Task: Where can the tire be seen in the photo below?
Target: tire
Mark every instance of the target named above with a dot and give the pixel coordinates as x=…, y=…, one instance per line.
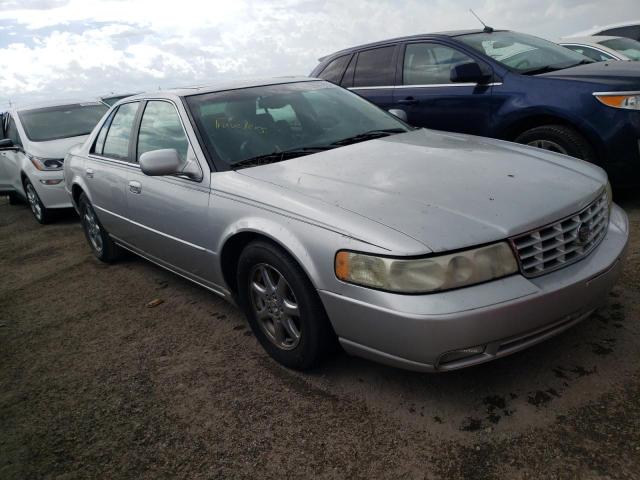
x=41, y=213
x=14, y=199
x=101, y=244
x=271, y=313
x=560, y=139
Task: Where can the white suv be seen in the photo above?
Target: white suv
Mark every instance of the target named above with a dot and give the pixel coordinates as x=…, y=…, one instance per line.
x=34, y=141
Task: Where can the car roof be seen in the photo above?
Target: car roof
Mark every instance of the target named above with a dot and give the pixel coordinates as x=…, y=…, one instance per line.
x=446, y=34
x=218, y=87
x=54, y=103
x=597, y=29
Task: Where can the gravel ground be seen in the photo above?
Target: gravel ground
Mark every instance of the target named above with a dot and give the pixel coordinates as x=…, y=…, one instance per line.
x=95, y=384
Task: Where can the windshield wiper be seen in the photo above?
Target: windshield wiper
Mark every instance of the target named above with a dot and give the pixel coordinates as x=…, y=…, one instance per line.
x=274, y=157
x=551, y=68
x=370, y=135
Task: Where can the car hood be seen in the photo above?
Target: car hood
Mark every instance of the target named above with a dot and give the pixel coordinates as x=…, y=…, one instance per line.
x=54, y=148
x=613, y=74
x=444, y=190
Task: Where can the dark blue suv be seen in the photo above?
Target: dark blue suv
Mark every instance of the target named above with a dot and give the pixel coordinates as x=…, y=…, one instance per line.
x=504, y=85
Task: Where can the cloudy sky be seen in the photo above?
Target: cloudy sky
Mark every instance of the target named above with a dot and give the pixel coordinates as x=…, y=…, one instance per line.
x=71, y=48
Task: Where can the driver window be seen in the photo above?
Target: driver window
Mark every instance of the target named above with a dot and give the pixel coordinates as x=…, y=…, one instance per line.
x=430, y=64
x=161, y=128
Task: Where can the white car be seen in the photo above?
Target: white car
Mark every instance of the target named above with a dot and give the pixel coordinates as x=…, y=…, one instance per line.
x=34, y=141
x=604, y=48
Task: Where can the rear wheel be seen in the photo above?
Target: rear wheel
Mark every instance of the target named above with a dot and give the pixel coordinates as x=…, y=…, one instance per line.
x=559, y=139
x=41, y=213
x=102, y=246
x=283, y=307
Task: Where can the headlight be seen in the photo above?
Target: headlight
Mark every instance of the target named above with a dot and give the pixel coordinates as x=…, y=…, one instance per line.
x=630, y=101
x=425, y=275
x=46, y=163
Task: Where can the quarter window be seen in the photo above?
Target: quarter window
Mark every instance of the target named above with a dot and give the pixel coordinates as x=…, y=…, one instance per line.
x=161, y=129
x=116, y=143
x=375, y=68
x=430, y=64
x=334, y=71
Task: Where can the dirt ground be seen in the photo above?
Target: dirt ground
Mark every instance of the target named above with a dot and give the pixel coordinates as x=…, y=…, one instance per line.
x=94, y=384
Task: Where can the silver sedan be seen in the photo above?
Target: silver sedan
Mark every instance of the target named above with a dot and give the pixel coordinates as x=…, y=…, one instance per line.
x=328, y=220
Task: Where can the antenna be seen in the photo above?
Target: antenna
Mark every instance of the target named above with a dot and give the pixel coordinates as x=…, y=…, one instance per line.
x=487, y=28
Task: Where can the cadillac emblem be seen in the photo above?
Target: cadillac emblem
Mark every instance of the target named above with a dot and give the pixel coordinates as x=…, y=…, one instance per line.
x=584, y=234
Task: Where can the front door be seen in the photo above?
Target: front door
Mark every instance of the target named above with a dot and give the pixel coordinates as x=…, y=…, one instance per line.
x=429, y=97
x=168, y=213
x=10, y=160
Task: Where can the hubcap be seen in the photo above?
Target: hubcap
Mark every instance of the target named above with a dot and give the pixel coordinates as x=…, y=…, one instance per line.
x=93, y=229
x=548, y=145
x=34, y=201
x=275, y=306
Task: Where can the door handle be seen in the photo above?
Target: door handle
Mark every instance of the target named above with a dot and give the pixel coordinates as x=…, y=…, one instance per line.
x=89, y=172
x=135, y=187
x=408, y=101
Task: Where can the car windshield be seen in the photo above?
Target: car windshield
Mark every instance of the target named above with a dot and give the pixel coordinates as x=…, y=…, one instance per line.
x=62, y=121
x=524, y=53
x=628, y=47
x=277, y=122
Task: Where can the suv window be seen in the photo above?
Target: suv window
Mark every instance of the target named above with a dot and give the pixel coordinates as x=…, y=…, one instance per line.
x=334, y=71
x=375, y=67
x=116, y=143
x=430, y=63
x=161, y=128
x=591, y=53
x=12, y=132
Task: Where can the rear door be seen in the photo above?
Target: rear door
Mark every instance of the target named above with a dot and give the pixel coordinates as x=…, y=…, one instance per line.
x=169, y=213
x=429, y=97
x=371, y=74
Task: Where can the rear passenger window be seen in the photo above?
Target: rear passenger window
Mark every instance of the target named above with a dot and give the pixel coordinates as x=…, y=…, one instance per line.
x=430, y=64
x=99, y=145
x=375, y=68
x=161, y=128
x=334, y=71
x=116, y=144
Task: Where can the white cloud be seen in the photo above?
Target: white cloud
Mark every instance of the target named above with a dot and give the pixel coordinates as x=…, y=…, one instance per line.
x=91, y=46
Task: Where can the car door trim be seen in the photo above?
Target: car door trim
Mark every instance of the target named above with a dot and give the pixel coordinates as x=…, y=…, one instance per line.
x=434, y=85
x=153, y=230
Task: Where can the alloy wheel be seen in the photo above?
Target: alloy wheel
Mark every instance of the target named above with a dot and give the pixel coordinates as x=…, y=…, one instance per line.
x=275, y=306
x=34, y=201
x=93, y=229
x=548, y=145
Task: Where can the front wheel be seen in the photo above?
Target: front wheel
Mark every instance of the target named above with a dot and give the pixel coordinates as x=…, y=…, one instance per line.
x=558, y=139
x=102, y=246
x=41, y=213
x=282, y=306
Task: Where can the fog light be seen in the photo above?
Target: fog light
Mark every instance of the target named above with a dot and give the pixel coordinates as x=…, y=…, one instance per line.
x=460, y=354
x=51, y=182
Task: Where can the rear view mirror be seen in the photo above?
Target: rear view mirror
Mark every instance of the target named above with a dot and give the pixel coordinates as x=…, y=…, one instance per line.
x=469, y=72
x=401, y=114
x=161, y=162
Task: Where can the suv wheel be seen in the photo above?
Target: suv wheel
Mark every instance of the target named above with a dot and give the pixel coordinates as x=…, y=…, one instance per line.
x=102, y=246
x=283, y=307
x=559, y=139
x=43, y=214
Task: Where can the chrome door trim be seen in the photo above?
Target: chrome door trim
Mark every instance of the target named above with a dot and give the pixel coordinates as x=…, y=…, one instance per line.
x=434, y=85
x=171, y=237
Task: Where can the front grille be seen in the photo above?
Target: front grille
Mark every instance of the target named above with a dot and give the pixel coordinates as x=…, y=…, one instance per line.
x=564, y=242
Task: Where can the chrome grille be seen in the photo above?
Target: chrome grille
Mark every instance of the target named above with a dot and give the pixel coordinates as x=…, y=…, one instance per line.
x=564, y=242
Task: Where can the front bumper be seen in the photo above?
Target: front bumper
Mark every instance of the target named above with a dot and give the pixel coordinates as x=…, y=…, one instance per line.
x=52, y=196
x=503, y=316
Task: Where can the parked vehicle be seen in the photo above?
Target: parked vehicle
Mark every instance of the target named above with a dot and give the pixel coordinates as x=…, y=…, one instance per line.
x=503, y=85
x=602, y=48
x=323, y=216
x=35, y=140
x=624, y=29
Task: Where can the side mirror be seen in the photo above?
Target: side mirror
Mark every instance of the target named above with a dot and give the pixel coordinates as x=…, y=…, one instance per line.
x=401, y=114
x=161, y=162
x=6, y=143
x=469, y=72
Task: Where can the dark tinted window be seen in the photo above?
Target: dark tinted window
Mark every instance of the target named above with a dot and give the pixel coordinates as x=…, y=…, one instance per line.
x=334, y=71
x=632, y=31
x=591, y=53
x=64, y=121
x=116, y=144
x=12, y=132
x=98, y=146
x=161, y=128
x=430, y=64
x=375, y=68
